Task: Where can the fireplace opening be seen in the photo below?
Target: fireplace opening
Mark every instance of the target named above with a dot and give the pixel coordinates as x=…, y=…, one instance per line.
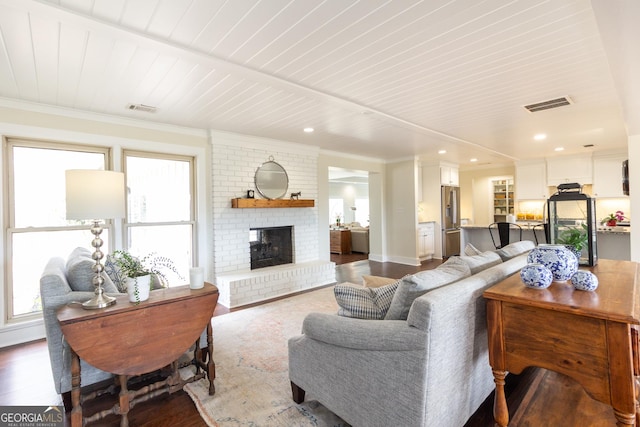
x=271, y=246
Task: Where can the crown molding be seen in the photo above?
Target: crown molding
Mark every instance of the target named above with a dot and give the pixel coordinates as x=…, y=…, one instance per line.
x=217, y=137
x=99, y=117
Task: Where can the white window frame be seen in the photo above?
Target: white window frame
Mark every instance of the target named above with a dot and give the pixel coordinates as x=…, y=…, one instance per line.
x=9, y=202
x=127, y=225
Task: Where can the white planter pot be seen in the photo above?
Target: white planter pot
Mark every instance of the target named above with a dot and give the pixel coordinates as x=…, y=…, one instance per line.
x=143, y=284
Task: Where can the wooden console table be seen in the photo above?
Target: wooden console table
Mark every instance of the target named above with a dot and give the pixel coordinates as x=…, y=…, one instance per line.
x=128, y=339
x=591, y=337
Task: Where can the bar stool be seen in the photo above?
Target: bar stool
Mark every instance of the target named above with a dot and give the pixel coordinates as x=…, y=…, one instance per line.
x=545, y=229
x=503, y=230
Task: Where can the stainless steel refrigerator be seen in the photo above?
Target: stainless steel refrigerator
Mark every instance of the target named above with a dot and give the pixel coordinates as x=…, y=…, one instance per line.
x=450, y=220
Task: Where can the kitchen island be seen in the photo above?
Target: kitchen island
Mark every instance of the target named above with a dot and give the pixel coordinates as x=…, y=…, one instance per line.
x=613, y=242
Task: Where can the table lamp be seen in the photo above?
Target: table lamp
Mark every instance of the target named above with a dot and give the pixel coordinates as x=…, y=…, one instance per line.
x=95, y=195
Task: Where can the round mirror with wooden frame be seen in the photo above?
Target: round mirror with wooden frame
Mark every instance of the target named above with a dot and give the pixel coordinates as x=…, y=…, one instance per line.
x=271, y=180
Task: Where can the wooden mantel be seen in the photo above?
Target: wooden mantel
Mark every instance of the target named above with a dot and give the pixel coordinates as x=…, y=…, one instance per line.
x=268, y=203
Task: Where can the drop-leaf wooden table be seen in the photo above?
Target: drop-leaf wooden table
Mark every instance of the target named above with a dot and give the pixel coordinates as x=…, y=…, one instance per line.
x=130, y=339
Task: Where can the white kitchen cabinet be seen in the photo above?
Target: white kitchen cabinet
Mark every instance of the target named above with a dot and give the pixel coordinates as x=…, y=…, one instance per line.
x=449, y=175
x=575, y=168
x=607, y=175
x=426, y=240
x=531, y=181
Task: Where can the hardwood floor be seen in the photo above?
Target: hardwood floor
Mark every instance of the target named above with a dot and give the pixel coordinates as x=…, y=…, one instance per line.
x=535, y=398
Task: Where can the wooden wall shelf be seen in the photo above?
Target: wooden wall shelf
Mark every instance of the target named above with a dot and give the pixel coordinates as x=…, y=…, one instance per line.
x=268, y=203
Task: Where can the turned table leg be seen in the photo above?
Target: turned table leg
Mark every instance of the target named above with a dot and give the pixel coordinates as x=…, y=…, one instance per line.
x=500, y=410
x=125, y=401
x=624, y=419
x=211, y=365
x=76, y=412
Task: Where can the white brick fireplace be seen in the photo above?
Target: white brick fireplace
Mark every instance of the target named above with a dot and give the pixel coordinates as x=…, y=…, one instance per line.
x=234, y=162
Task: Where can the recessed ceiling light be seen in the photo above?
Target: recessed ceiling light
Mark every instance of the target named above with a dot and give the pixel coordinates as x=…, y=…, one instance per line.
x=442, y=151
x=473, y=160
x=559, y=149
x=308, y=130
x=540, y=136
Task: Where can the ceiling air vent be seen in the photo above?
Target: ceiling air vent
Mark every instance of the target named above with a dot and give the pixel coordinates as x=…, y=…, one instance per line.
x=546, y=105
x=142, y=107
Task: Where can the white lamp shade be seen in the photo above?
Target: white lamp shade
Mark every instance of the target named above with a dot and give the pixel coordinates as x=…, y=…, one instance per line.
x=94, y=194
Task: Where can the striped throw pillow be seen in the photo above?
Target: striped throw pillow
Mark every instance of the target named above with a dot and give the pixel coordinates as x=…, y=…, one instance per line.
x=364, y=303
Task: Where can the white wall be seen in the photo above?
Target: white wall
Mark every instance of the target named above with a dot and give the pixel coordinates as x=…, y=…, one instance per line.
x=634, y=194
x=402, y=212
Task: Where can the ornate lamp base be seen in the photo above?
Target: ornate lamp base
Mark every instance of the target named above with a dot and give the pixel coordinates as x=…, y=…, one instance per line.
x=100, y=300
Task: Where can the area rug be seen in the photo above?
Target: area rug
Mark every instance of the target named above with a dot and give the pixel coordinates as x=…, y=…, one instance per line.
x=252, y=377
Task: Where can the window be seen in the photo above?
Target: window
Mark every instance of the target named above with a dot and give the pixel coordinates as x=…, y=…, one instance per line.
x=36, y=212
x=336, y=210
x=362, y=212
x=160, y=208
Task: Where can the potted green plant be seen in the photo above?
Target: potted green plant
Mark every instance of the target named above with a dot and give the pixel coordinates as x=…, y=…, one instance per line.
x=574, y=238
x=140, y=274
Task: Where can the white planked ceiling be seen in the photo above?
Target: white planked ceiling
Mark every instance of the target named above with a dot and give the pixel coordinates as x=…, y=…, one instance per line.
x=386, y=79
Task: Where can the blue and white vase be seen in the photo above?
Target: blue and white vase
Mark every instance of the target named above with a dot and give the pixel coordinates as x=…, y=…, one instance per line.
x=584, y=280
x=557, y=258
x=536, y=276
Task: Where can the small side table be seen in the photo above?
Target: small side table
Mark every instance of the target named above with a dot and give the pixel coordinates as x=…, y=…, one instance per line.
x=128, y=339
x=591, y=337
x=340, y=241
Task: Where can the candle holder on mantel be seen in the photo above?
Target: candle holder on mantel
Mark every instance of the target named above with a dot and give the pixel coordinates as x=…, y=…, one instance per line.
x=572, y=222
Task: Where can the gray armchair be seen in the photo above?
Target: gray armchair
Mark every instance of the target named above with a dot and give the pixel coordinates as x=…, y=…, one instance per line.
x=56, y=291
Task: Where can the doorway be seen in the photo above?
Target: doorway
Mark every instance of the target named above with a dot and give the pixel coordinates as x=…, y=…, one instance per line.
x=348, y=214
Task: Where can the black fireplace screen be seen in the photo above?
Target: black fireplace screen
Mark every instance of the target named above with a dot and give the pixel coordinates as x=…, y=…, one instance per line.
x=271, y=246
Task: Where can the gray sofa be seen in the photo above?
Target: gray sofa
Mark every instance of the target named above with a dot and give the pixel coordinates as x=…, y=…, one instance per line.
x=360, y=240
x=431, y=369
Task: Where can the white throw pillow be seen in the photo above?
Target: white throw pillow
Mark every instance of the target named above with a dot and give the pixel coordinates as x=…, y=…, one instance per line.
x=376, y=281
x=471, y=250
x=515, y=249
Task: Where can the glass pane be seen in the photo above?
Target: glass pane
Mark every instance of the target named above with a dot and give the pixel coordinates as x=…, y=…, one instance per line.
x=336, y=210
x=171, y=241
x=39, y=183
x=32, y=251
x=159, y=190
x=362, y=212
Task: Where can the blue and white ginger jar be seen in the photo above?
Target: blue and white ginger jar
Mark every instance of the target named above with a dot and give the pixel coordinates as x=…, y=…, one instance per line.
x=557, y=258
x=536, y=276
x=584, y=280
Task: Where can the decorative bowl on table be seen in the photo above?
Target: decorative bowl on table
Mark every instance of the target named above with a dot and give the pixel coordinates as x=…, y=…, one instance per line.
x=583, y=280
x=536, y=276
x=557, y=258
